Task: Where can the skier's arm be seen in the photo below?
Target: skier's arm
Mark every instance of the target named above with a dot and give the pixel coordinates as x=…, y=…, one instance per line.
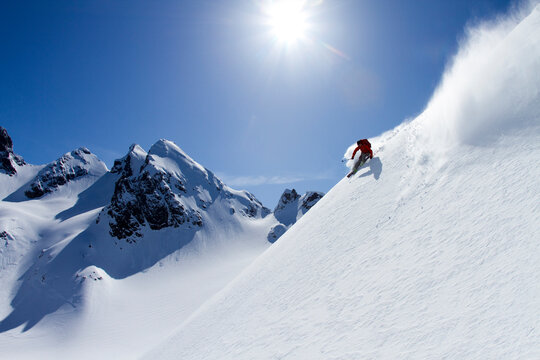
x=354, y=152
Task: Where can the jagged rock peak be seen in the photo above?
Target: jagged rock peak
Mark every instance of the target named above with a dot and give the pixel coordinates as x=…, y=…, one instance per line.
x=8, y=159
x=6, y=144
x=287, y=197
x=310, y=199
x=133, y=161
x=169, y=189
x=291, y=206
x=71, y=166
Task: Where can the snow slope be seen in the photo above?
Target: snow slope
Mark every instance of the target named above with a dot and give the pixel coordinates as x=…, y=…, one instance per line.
x=99, y=264
x=430, y=251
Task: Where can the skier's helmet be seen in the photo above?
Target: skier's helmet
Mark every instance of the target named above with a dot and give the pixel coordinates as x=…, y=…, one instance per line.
x=359, y=142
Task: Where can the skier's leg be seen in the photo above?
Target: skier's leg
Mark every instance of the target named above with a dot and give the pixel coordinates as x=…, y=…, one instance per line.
x=364, y=157
x=357, y=164
x=354, y=168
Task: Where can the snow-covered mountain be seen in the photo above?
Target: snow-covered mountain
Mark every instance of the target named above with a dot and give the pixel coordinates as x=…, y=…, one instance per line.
x=430, y=251
x=156, y=220
x=290, y=208
x=79, y=167
x=170, y=190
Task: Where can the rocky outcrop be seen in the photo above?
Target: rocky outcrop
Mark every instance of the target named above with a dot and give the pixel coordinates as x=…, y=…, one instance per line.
x=309, y=200
x=70, y=167
x=166, y=188
x=8, y=159
x=290, y=208
x=276, y=232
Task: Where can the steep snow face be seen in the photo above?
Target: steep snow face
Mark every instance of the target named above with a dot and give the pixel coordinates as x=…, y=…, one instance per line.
x=427, y=252
x=72, y=167
x=9, y=161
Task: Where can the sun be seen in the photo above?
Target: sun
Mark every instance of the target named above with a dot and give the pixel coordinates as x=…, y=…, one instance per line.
x=287, y=20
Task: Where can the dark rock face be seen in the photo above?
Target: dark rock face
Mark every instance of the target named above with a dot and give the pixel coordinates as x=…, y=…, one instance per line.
x=148, y=199
x=288, y=197
x=165, y=188
x=290, y=208
x=71, y=166
x=8, y=158
x=310, y=199
x=6, y=144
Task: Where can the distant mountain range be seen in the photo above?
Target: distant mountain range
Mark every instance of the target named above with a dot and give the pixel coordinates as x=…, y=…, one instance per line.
x=115, y=223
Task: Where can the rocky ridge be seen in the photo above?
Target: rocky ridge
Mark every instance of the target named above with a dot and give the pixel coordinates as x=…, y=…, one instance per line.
x=71, y=166
x=8, y=159
x=166, y=188
x=290, y=208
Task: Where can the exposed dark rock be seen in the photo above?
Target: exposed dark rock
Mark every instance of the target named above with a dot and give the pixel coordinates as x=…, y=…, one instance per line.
x=290, y=208
x=287, y=197
x=4, y=235
x=8, y=159
x=310, y=199
x=69, y=167
x=147, y=199
x=166, y=188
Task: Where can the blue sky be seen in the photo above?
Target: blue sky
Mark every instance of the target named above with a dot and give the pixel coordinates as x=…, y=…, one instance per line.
x=209, y=76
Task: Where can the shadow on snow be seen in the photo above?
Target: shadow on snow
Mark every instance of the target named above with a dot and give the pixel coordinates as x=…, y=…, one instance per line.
x=55, y=280
x=375, y=168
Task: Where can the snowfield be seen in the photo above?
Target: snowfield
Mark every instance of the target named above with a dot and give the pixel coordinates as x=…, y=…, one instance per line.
x=431, y=251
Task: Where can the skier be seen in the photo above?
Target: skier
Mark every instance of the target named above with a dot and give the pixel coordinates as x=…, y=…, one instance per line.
x=365, y=148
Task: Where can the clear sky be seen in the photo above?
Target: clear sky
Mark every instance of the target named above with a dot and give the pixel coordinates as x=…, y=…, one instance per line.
x=262, y=109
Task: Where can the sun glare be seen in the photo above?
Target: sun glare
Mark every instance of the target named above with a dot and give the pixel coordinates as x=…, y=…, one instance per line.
x=287, y=20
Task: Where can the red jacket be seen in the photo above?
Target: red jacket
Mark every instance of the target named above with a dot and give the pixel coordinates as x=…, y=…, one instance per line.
x=364, y=149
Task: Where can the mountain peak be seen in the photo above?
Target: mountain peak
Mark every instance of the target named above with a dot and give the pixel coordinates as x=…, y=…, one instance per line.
x=166, y=188
x=290, y=208
x=8, y=159
x=6, y=144
x=132, y=161
x=69, y=167
x=166, y=148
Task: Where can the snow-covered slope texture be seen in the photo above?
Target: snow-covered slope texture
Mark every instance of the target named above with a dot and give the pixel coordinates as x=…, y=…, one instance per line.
x=133, y=252
x=430, y=251
x=290, y=208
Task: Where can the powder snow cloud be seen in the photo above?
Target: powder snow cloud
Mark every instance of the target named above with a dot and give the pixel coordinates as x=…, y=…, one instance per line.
x=492, y=85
